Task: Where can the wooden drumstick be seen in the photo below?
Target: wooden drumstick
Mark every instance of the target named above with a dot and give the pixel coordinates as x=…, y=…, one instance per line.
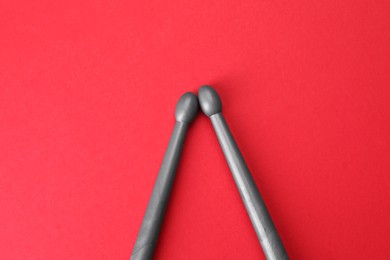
x=186, y=110
x=273, y=248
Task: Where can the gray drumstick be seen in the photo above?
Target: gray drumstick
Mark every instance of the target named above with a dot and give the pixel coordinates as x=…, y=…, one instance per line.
x=273, y=248
x=186, y=110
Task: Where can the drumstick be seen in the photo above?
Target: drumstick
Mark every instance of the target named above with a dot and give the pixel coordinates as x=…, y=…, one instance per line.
x=186, y=110
x=273, y=248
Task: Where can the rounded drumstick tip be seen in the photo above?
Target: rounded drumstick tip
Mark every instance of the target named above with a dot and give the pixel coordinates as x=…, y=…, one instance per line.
x=209, y=101
x=186, y=108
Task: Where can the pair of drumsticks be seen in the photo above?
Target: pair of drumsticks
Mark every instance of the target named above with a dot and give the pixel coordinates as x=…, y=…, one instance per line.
x=186, y=110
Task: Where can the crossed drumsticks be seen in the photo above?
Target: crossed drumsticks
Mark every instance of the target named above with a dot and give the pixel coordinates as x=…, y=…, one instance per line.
x=186, y=110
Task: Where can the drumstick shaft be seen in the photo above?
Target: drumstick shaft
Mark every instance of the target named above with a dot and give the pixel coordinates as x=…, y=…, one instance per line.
x=254, y=204
x=150, y=228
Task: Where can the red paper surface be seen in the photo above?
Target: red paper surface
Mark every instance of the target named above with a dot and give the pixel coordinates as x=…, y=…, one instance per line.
x=87, y=97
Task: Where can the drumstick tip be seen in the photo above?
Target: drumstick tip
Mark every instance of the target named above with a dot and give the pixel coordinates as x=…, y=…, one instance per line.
x=209, y=101
x=186, y=108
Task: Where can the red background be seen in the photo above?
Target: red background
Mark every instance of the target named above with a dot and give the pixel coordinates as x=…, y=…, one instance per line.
x=87, y=97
